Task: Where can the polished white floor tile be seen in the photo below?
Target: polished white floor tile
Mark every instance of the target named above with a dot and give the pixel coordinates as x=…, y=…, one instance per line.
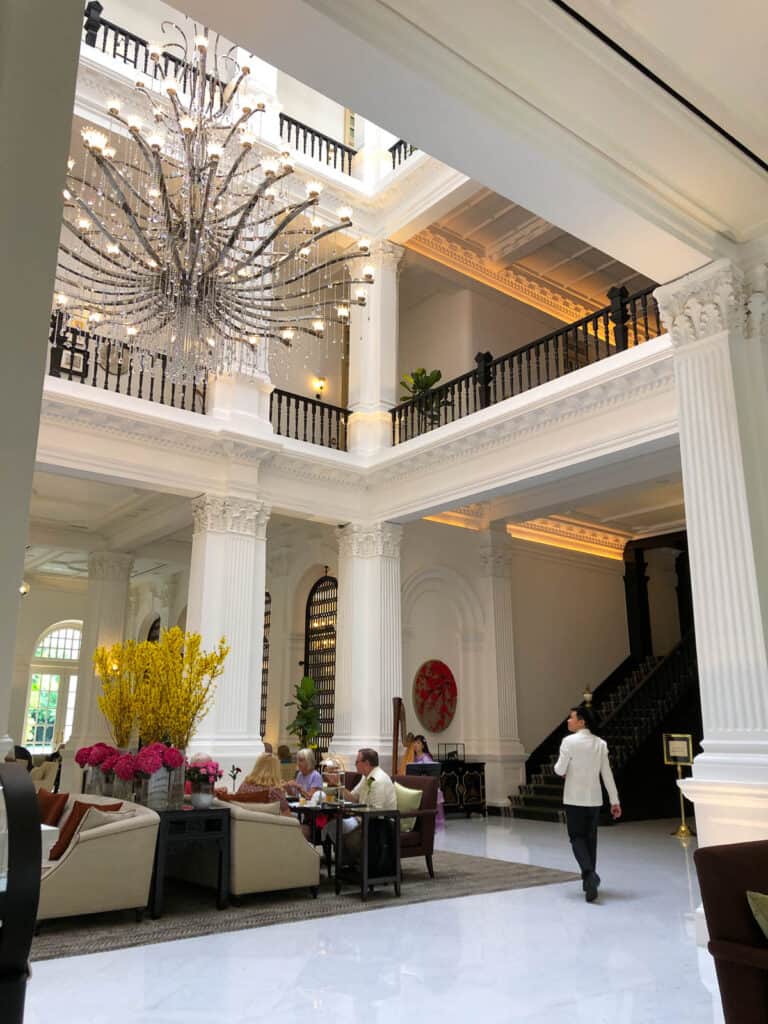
x=540, y=955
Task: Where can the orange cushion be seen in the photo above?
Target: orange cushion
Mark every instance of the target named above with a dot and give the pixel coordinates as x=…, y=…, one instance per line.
x=246, y=798
x=72, y=825
x=51, y=806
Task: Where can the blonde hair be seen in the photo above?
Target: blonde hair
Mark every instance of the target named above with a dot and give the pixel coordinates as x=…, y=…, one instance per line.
x=266, y=771
x=309, y=756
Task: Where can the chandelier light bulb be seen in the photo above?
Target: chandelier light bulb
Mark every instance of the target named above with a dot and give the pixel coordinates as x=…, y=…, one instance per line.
x=155, y=51
x=70, y=163
x=342, y=312
x=140, y=82
x=316, y=221
x=368, y=274
x=286, y=161
x=314, y=188
x=156, y=141
x=66, y=193
x=344, y=213
x=60, y=299
x=318, y=325
x=171, y=86
x=253, y=341
x=153, y=193
x=201, y=42
x=270, y=193
x=269, y=166
x=215, y=151
x=113, y=105
x=361, y=296
x=24, y=588
x=83, y=223
x=95, y=318
x=305, y=251
x=131, y=331
x=134, y=123
x=93, y=139
x=211, y=342
x=187, y=125
x=247, y=138
x=287, y=334
x=113, y=249
x=363, y=244
x=110, y=152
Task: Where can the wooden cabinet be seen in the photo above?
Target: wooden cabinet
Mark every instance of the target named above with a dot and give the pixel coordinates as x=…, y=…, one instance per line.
x=463, y=786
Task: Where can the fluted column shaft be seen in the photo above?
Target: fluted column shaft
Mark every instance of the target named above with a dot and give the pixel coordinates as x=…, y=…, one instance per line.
x=369, y=636
x=717, y=320
x=226, y=598
x=498, y=724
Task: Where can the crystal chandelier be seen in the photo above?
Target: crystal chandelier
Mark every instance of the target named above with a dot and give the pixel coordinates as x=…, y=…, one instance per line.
x=181, y=236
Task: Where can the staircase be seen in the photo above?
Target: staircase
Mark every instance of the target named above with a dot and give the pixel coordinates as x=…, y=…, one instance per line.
x=632, y=707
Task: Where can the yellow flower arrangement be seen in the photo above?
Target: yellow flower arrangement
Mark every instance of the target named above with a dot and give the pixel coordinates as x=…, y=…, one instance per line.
x=176, y=688
x=164, y=688
x=117, y=668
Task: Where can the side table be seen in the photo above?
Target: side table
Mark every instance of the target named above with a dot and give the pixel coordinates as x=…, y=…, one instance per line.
x=188, y=827
x=361, y=876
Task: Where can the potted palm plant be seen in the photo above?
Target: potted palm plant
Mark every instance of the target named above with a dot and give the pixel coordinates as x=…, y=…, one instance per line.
x=306, y=724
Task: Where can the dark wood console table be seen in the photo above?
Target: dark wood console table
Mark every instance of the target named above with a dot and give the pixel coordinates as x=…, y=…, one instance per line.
x=189, y=827
x=463, y=786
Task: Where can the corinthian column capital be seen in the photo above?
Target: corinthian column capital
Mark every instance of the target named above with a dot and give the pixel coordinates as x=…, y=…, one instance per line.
x=371, y=540
x=215, y=514
x=705, y=303
x=111, y=566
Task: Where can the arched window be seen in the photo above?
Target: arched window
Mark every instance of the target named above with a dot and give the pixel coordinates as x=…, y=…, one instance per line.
x=265, y=662
x=52, y=688
x=320, y=649
x=153, y=633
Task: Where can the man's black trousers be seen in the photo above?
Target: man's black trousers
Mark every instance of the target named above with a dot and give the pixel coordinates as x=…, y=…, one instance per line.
x=582, y=831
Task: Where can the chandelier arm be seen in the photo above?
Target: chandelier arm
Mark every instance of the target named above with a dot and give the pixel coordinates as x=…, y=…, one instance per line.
x=307, y=273
x=86, y=263
x=168, y=208
x=225, y=185
x=129, y=216
x=193, y=249
x=262, y=220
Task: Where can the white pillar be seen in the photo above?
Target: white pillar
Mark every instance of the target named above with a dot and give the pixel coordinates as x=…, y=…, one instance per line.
x=373, y=342
x=226, y=598
x=240, y=400
x=106, y=611
x=36, y=120
x=369, y=661
x=718, y=320
x=502, y=751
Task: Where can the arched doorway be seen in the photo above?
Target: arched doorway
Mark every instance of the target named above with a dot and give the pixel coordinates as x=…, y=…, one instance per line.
x=50, y=711
x=320, y=649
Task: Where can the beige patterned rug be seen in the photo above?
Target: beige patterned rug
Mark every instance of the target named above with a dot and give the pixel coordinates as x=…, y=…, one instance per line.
x=190, y=911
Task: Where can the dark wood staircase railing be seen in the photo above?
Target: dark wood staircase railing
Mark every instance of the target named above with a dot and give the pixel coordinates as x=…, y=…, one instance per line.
x=634, y=705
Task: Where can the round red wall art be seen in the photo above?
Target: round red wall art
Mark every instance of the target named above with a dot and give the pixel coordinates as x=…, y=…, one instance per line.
x=434, y=695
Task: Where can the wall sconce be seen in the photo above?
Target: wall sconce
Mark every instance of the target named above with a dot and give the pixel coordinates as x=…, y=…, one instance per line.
x=318, y=383
x=587, y=697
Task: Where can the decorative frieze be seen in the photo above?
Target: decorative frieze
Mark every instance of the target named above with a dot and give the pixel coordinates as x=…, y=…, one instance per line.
x=230, y=515
x=370, y=541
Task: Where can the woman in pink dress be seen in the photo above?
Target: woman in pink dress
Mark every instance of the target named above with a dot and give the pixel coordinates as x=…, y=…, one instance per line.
x=422, y=755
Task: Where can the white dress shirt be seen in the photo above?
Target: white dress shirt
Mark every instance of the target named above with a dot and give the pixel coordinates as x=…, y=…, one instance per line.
x=378, y=793
x=583, y=759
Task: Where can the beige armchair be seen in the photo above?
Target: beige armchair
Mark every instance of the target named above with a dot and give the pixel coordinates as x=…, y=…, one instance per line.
x=268, y=852
x=44, y=775
x=104, y=868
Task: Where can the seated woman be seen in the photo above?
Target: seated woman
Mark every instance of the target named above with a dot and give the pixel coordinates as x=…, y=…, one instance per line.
x=422, y=755
x=308, y=779
x=265, y=780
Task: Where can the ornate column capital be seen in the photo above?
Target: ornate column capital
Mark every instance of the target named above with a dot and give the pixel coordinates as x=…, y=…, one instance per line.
x=388, y=252
x=495, y=554
x=215, y=514
x=375, y=540
x=109, y=566
x=705, y=303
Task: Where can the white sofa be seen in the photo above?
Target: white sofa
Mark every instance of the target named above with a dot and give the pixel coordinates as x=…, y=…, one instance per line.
x=268, y=853
x=105, y=868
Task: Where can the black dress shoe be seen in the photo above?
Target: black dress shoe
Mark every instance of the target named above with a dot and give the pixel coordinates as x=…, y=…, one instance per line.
x=590, y=887
x=584, y=880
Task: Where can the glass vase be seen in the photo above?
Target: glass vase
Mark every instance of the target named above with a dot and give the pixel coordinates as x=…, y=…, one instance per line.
x=176, y=788
x=201, y=796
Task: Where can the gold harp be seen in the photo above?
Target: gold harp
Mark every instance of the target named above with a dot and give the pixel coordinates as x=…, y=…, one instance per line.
x=400, y=737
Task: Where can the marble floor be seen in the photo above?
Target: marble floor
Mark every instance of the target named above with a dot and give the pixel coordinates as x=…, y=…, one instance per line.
x=542, y=955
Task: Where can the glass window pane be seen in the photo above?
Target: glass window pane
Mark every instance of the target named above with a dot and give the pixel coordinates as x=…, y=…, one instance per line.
x=41, y=711
x=61, y=644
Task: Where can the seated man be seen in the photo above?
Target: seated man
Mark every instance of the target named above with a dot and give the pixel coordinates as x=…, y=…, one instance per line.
x=375, y=789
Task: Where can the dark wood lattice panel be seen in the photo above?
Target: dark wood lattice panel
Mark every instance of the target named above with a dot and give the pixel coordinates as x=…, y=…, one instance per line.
x=265, y=662
x=320, y=649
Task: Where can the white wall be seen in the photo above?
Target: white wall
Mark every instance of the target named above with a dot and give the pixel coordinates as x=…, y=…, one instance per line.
x=159, y=595
x=570, y=631
x=310, y=107
x=501, y=324
x=662, y=599
x=50, y=600
x=294, y=370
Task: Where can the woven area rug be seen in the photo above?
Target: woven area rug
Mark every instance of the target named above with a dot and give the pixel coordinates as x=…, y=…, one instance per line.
x=190, y=911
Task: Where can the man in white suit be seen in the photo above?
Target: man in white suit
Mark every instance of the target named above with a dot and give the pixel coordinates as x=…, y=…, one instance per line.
x=583, y=761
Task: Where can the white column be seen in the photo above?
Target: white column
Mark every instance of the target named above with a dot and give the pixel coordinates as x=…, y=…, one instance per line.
x=36, y=122
x=226, y=598
x=369, y=661
x=502, y=751
x=106, y=610
x=718, y=320
x=240, y=400
x=373, y=341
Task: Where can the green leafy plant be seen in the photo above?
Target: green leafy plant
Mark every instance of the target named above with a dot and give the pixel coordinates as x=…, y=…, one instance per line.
x=418, y=382
x=306, y=724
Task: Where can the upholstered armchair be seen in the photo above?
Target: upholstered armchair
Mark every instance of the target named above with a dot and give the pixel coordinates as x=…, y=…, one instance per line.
x=105, y=868
x=268, y=852
x=44, y=775
x=726, y=874
x=419, y=841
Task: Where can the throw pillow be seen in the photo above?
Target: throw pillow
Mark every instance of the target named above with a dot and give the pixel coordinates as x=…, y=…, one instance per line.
x=407, y=800
x=72, y=826
x=758, y=904
x=51, y=806
x=96, y=817
x=259, y=808
x=261, y=797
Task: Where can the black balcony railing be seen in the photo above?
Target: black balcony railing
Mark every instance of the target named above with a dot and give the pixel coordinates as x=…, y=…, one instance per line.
x=628, y=321
x=110, y=365
x=306, y=419
x=400, y=152
x=316, y=145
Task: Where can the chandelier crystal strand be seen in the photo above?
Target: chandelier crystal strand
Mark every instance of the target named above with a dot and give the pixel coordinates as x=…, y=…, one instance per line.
x=181, y=237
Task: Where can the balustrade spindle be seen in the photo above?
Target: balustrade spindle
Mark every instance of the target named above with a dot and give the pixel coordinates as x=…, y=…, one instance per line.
x=163, y=364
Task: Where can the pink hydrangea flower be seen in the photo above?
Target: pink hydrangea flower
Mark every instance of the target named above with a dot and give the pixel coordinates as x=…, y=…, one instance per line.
x=125, y=767
x=97, y=753
x=109, y=762
x=149, y=761
x=172, y=758
x=82, y=756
